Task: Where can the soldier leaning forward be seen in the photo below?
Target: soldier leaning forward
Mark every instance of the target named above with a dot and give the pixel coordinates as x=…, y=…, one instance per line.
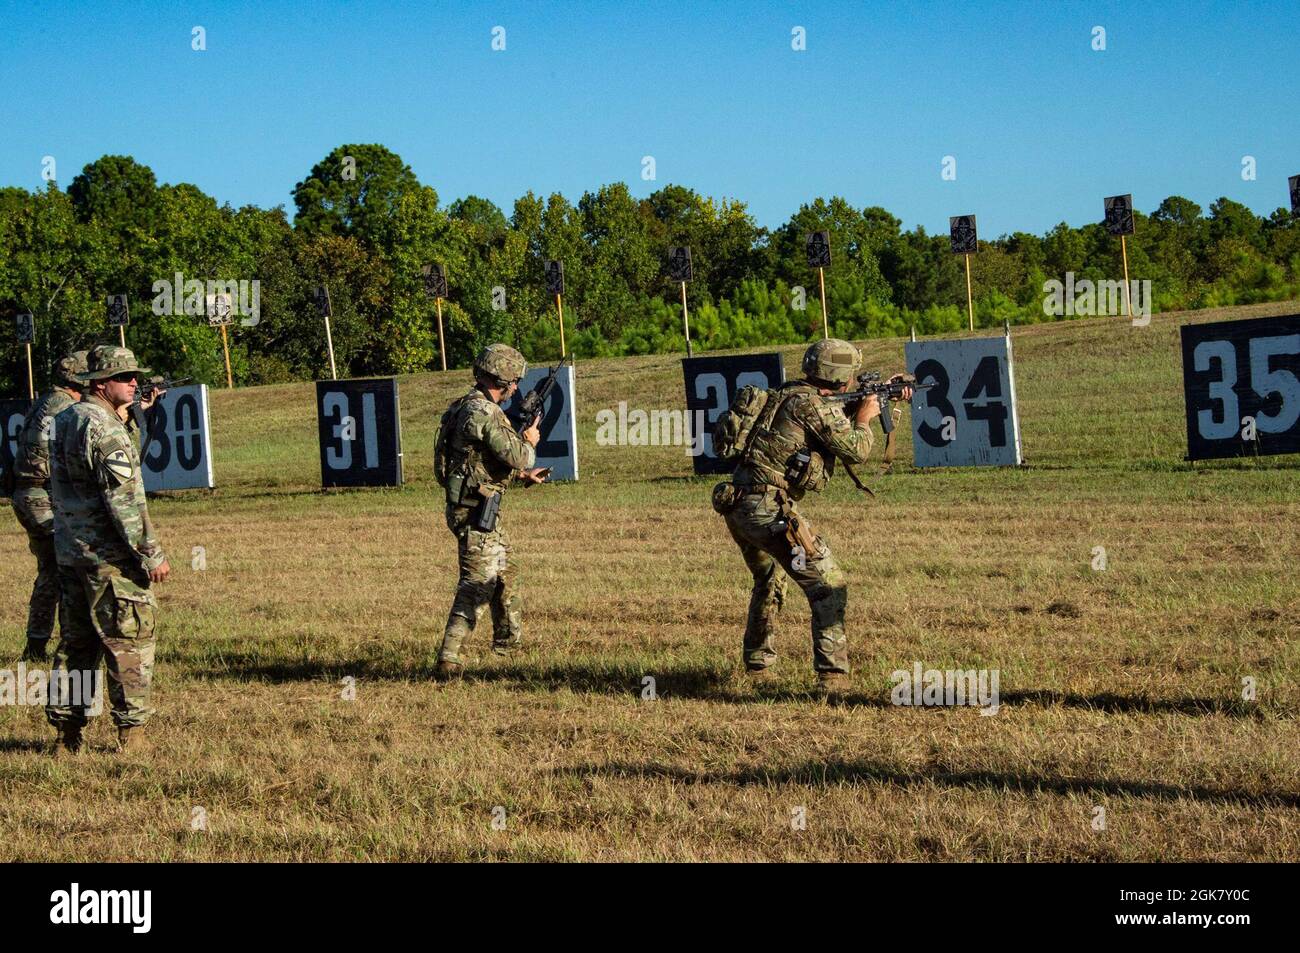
x=107, y=553
x=31, y=499
x=476, y=457
x=786, y=442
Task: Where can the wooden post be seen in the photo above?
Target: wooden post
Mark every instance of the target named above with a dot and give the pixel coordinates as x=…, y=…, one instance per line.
x=914, y=333
x=225, y=347
x=121, y=334
x=559, y=307
x=329, y=337
x=686, y=322
x=442, y=349
x=970, y=304
x=31, y=380
x=821, y=279
x=1128, y=300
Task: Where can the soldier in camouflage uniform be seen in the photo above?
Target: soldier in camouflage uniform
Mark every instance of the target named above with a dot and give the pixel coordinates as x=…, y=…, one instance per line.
x=479, y=454
x=768, y=528
x=31, y=499
x=107, y=553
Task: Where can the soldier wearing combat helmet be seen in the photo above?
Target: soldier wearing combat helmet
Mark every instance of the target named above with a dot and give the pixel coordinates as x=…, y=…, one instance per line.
x=107, y=552
x=792, y=450
x=31, y=499
x=477, y=456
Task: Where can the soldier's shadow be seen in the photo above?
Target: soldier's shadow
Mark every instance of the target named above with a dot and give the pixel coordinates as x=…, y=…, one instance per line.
x=720, y=683
x=870, y=772
x=24, y=744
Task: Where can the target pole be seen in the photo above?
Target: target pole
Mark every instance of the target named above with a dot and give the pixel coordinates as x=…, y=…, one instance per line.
x=970, y=305
x=31, y=380
x=442, y=349
x=686, y=321
x=121, y=334
x=329, y=337
x=559, y=307
x=821, y=280
x=1128, y=301
x=225, y=347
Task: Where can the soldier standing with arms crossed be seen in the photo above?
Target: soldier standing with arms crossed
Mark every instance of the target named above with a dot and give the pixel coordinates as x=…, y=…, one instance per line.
x=477, y=455
x=107, y=554
x=31, y=499
x=791, y=450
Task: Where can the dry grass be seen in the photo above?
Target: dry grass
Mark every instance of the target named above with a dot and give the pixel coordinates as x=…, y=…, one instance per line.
x=1120, y=689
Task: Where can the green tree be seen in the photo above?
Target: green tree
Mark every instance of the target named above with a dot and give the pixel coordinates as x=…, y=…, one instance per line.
x=351, y=191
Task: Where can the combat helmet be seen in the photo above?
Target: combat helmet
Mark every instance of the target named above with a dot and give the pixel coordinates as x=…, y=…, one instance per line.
x=68, y=371
x=502, y=362
x=831, y=362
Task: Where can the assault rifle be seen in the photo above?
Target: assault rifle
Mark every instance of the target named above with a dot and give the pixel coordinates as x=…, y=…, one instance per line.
x=146, y=389
x=533, y=405
x=869, y=384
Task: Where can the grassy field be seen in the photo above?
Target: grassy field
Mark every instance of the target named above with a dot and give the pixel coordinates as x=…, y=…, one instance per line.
x=1120, y=689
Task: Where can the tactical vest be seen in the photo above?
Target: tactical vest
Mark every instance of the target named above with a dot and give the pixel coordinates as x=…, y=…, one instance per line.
x=775, y=440
x=467, y=466
x=32, y=461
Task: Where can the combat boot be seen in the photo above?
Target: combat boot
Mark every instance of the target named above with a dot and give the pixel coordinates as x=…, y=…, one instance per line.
x=446, y=671
x=35, y=651
x=131, y=740
x=504, y=649
x=69, y=740
x=833, y=685
x=760, y=674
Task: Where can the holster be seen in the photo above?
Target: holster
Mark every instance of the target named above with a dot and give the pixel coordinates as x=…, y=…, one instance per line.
x=485, y=516
x=797, y=532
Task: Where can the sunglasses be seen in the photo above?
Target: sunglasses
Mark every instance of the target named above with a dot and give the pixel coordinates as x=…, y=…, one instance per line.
x=125, y=378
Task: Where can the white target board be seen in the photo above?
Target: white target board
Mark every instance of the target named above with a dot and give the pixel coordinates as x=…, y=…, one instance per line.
x=176, y=451
x=968, y=418
x=558, y=446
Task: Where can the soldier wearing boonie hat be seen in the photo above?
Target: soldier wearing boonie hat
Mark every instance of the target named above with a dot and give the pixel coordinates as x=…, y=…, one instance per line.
x=107, y=553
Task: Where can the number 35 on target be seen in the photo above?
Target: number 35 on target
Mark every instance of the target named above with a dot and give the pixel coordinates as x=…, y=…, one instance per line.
x=1241, y=386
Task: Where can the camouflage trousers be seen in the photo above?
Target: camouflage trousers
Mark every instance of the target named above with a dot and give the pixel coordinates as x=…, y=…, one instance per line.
x=106, y=616
x=758, y=530
x=34, y=512
x=487, y=580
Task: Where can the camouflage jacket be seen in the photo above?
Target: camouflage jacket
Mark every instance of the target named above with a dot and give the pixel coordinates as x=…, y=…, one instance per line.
x=32, y=461
x=482, y=449
x=100, y=512
x=802, y=420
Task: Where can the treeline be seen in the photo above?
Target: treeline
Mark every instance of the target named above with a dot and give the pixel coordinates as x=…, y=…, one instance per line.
x=364, y=225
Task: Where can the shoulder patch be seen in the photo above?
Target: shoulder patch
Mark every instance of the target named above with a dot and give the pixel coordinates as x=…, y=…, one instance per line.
x=118, y=468
x=831, y=414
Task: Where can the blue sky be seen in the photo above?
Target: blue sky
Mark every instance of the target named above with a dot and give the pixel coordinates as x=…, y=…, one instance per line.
x=1041, y=125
